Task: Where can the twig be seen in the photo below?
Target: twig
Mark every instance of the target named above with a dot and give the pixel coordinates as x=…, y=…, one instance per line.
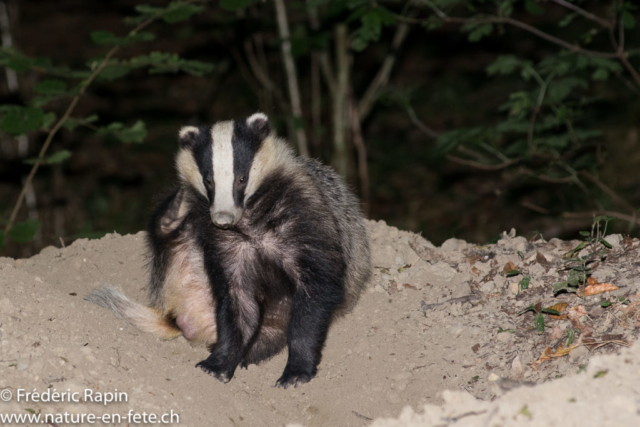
x=323, y=56
x=382, y=77
x=340, y=103
x=608, y=190
x=244, y=71
x=515, y=23
x=361, y=149
x=419, y=124
x=468, y=298
x=580, y=215
x=292, y=77
x=482, y=166
x=536, y=110
x=262, y=77
x=67, y=114
x=584, y=13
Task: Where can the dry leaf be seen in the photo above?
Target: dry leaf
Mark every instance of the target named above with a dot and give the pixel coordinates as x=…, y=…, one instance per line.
x=510, y=266
x=577, y=311
x=592, y=281
x=598, y=288
x=549, y=353
x=560, y=307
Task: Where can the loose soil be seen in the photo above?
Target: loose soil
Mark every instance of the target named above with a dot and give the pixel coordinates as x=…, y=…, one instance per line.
x=431, y=319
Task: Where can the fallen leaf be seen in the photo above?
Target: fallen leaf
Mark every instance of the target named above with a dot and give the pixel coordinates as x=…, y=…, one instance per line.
x=598, y=288
x=510, y=266
x=592, y=281
x=549, y=353
x=577, y=311
x=559, y=307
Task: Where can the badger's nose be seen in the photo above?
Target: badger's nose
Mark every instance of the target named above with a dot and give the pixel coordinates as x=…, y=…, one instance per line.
x=222, y=219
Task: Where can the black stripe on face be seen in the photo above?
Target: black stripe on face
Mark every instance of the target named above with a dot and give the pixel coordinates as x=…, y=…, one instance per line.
x=201, y=149
x=246, y=143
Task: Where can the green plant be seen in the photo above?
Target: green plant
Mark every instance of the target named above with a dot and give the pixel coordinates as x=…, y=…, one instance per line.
x=60, y=82
x=579, y=266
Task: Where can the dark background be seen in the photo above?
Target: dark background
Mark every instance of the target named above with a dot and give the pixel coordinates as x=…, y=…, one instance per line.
x=109, y=186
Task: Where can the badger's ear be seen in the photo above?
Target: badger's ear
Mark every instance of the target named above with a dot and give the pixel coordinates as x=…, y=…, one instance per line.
x=187, y=136
x=259, y=123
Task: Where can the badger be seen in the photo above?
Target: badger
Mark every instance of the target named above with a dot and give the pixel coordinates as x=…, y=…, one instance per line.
x=256, y=249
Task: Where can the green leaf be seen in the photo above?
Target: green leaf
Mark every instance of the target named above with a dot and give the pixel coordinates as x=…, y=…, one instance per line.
x=513, y=273
x=606, y=244
x=71, y=123
x=136, y=133
x=108, y=38
x=524, y=283
x=48, y=120
x=563, y=286
x=234, y=5
x=533, y=7
x=505, y=64
x=585, y=233
x=178, y=11
x=540, y=323
x=23, y=232
x=550, y=311
x=164, y=62
x=600, y=74
x=55, y=158
x=20, y=120
x=102, y=37
x=112, y=72
x=628, y=20
x=50, y=87
x=605, y=304
x=477, y=31
x=567, y=20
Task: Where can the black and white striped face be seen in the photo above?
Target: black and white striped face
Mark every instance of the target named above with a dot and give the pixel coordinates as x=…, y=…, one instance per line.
x=216, y=161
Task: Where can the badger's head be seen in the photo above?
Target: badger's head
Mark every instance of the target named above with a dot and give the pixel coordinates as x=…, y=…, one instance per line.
x=216, y=161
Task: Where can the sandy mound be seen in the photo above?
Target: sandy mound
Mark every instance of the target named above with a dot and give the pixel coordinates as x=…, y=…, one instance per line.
x=432, y=319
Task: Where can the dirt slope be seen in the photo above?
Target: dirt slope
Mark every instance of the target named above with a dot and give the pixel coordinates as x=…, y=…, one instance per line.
x=405, y=342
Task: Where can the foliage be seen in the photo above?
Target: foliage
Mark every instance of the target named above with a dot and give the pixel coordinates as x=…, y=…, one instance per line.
x=62, y=82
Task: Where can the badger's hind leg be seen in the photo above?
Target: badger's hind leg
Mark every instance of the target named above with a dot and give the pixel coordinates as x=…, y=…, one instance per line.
x=271, y=337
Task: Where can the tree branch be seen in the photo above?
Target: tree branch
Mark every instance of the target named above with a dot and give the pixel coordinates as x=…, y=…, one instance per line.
x=72, y=105
x=584, y=13
x=519, y=24
x=262, y=77
x=482, y=166
x=579, y=215
x=361, y=148
x=323, y=56
x=292, y=77
x=382, y=77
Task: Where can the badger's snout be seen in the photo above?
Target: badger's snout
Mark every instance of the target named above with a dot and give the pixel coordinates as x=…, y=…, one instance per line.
x=222, y=219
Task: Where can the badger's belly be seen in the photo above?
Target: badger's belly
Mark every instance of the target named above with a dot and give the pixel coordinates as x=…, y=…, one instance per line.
x=187, y=296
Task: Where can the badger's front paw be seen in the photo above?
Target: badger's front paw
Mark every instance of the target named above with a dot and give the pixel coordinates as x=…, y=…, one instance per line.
x=213, y=367
x=294, y=377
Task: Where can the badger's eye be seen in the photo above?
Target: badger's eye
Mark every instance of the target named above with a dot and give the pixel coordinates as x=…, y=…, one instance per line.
x=243, y=179
x=209, y=181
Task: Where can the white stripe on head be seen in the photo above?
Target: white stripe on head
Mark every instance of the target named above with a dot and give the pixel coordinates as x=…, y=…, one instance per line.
x=188, y=170
x=223, y=175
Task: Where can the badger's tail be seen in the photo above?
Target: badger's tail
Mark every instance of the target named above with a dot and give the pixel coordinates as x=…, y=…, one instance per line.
x=144, y=318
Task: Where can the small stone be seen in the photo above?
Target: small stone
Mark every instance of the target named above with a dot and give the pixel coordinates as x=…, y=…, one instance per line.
x=614, y=240
x=577, y=353
x=488, y=287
